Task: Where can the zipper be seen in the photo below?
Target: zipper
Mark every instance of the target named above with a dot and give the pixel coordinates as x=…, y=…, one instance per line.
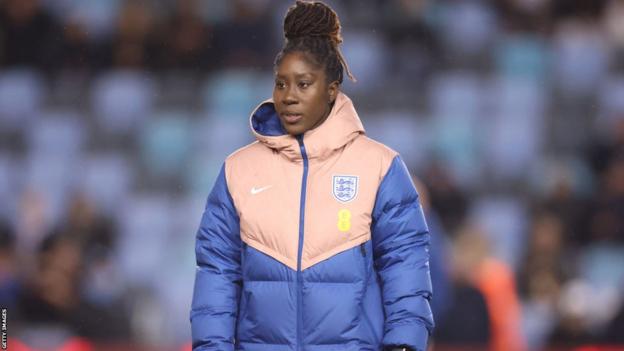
x=304, y=181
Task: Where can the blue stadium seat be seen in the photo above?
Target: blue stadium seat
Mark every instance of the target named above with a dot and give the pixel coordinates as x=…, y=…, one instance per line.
x=123, y=100
x=468, y=27
x=165, y=143
x=524, y=56
x=213, y=140
x=58, y=133
x=513, y=130
x=504, y=220
x=21, y=94
x=234, y=93
x=107, y=179
x=367, y=57
x=456, y=103
x=219, y=138
x=176, y=291
x=602, y=265
x=611, y=102
x=580, y=60
x=404, y=132
x=457, y=94
x=145, y=223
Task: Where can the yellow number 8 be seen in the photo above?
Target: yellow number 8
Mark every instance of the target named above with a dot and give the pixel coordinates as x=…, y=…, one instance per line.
x=344, y=220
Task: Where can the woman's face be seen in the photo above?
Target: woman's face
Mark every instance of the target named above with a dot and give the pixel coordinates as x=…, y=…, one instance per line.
x=302, y=94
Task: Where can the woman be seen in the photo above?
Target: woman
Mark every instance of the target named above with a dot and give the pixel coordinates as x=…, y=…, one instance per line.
x=312, y=237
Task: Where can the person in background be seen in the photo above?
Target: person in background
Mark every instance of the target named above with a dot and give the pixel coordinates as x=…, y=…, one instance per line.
x=28, y=35
x=467, y=322
x=50, y=308
x=461, y=313
x=496, y=281
x=313, y=237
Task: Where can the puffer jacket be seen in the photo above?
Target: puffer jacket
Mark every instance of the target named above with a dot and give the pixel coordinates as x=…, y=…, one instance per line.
x=315, y=243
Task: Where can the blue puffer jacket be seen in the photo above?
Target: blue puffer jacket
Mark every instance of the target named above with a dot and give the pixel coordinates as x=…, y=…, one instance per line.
x=312, y=243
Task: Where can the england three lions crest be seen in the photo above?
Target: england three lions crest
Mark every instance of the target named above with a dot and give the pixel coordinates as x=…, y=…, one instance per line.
x=345, y=187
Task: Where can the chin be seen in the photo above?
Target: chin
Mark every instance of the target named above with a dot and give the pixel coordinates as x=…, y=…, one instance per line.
x=294, y=130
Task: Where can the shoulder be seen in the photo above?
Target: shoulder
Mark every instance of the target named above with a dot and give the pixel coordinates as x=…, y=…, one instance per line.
x=376, y=147
x=245, y=158
x=245, y=153
x=376, y=152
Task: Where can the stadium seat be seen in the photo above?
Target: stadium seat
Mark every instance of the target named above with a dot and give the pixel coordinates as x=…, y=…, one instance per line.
x=454, y=95
x=581, y=60
x=234, y=93
x=58, y=133
x=22, y=92
x=107, y=179
x=213, y=140
x=456, y=102
x=122, y=100
x=469, y=26
x=611, y=102
x=403, y=131
x=513, y=129
x=522, y=56
x=220, y=137
x=165, y=144
x=144, y=226
x=367, y=58
x=504, y=219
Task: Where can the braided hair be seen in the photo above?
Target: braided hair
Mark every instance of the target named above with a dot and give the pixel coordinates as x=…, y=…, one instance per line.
x=313, y=28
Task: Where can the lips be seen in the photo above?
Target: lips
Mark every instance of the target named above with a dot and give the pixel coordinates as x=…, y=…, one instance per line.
x=291, y=117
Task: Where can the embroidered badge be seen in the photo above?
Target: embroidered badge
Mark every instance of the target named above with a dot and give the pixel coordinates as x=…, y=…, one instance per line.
x=345, y=187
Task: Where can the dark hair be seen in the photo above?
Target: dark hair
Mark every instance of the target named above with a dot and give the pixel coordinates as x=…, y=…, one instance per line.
x=313, y=28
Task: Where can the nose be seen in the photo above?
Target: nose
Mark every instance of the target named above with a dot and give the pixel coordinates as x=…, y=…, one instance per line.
x=289, y=97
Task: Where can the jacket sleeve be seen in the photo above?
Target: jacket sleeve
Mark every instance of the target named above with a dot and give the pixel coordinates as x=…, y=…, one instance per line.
x=214, y=308
x=401, y=254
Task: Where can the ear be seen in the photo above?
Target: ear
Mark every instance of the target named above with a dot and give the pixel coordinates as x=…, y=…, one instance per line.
x=333, y=89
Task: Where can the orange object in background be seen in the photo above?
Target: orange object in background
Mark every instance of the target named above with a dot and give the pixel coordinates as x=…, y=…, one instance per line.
x=77, y=344
x=73, y=344
x=16, y=345
x=496, y=282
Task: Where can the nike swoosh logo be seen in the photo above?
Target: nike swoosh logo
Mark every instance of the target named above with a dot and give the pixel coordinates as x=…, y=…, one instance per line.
x=255, y=190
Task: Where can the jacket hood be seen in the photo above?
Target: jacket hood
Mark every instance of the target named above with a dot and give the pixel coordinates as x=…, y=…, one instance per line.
x=341, y=127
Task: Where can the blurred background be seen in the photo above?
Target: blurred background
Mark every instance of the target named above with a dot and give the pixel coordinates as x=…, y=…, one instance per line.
x=115, y=117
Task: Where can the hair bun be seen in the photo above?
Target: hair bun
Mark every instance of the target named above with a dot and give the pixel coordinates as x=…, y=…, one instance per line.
x=312, y=19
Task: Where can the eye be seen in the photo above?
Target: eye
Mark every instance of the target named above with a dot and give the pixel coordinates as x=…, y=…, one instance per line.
x=304, y=85
x=280, y=85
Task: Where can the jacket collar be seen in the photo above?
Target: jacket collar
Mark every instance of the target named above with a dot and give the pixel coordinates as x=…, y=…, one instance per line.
x=340, y=128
